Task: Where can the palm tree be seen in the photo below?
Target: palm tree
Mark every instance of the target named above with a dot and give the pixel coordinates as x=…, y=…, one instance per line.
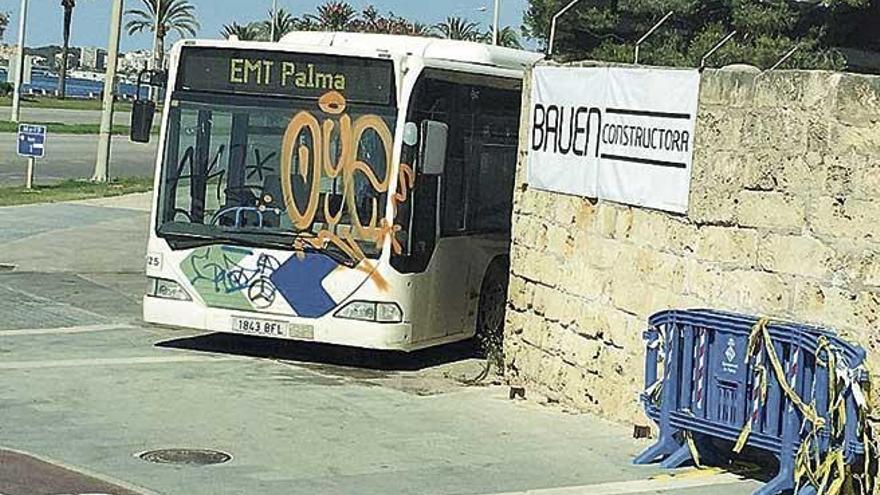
x=68, y=6
x=335, y=15
x=371, y=21
x=508, y=37
x=285, y=22
x=245, y=32
x=417, y=28
x=4, y=23
x=174, y=16
x=456, y=28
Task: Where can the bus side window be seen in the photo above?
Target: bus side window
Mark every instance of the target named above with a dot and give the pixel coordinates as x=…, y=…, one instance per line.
x=492, y=159
x=419, y=216
x=475, y=193
x=454, y=187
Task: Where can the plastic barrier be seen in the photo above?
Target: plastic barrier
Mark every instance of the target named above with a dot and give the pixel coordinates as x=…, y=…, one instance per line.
x=788, y=389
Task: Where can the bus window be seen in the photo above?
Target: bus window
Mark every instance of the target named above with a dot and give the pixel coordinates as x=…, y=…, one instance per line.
x=492, y=159
x=476, y=189
x=224, y=173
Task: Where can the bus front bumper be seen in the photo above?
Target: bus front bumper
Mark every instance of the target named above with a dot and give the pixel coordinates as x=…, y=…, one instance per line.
x=326, y=330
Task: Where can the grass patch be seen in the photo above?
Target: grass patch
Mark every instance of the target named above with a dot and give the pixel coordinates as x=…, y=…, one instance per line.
x=59, y=128
x=73, y=190
x=66, y=104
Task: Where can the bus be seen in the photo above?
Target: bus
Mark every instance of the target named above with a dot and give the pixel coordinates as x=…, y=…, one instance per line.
x=350, y=189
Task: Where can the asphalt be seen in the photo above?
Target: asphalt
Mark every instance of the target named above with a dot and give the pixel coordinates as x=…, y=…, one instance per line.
x=73, y=157
x=85, y=387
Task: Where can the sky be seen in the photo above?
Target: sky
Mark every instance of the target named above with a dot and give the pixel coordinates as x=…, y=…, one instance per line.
x=91, y=21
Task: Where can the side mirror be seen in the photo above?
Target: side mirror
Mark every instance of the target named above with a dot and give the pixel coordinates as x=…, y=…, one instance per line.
x=435, y=136
x=142, y=114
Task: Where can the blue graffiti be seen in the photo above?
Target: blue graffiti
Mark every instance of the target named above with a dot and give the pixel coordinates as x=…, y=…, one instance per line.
x=229, y=277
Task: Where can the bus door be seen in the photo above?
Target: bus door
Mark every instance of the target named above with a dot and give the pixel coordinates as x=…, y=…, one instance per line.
x=456, y=248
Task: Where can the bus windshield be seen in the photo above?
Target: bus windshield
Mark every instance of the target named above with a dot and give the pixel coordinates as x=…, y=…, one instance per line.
x=308, y=171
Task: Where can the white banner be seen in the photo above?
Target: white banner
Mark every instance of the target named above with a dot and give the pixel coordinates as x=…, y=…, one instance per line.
x=619, y=134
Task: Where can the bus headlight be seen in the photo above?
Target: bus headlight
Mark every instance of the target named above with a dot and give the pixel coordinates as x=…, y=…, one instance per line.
x=166, y=289
x=379, y=312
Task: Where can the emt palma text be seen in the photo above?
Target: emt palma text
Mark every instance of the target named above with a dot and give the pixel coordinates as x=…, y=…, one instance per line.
x=268, y=72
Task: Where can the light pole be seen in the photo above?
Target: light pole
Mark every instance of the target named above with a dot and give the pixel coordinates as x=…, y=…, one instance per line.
x=19, y=67
x=495, y=31
x=553, y=25
x=102, y=164
x=274, y=19
x=157, y=64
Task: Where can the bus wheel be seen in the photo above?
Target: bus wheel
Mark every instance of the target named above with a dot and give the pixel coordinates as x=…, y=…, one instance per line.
x=490, y=315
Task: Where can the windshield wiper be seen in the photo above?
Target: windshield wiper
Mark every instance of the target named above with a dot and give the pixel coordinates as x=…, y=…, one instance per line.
x=286, y=240
x=333, y=253
x=181, y=238
x=187, y=235
x=291, y=237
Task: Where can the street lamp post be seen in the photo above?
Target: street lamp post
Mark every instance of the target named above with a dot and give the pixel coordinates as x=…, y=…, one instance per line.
x=553, y=25
x=18, y=77
x=102, y=164
x=274, y=19
x=495, y=31
x=157, y=64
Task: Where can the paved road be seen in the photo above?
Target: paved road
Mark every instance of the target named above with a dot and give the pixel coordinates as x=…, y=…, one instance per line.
x=65, y=116
x=85, y=387
x=70, y=156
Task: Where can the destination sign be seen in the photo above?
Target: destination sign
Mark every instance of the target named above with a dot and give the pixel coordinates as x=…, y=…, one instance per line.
x=294, y=75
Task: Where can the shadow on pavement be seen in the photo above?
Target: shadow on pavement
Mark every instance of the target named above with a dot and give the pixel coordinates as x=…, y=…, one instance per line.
x=309, y=352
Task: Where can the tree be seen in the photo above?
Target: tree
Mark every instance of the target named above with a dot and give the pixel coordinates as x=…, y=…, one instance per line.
x=608, y=29
x=507, y=37
x=174, y=16
x=457, y=28
x=335, y=15
x=4, y=23
x=252, y=31
x=339, y=15
x=68, y=6
x=285, y=22
x=420, y=29
x=371, y=21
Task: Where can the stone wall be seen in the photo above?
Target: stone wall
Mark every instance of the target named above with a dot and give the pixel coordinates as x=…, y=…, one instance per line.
x=784, y=221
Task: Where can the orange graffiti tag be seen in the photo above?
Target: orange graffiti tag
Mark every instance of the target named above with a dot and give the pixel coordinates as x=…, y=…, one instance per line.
x=338, y=132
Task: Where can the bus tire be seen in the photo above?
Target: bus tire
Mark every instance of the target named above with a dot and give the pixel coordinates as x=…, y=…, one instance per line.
x=491, y=312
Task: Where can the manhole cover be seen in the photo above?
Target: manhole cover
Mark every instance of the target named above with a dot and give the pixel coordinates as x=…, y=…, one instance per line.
x=190, y=457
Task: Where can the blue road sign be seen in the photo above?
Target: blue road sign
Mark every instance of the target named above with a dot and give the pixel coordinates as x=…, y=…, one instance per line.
x=32, y=140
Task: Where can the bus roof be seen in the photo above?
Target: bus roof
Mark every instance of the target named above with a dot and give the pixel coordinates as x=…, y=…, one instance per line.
x=431, y=49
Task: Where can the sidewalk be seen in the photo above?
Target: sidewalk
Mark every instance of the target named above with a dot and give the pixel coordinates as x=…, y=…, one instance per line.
x=85, y=384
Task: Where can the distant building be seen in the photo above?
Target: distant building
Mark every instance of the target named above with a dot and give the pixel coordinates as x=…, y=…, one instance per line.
x=93, y=59
x=7, y=52
x=71, y=60
x=134, y=62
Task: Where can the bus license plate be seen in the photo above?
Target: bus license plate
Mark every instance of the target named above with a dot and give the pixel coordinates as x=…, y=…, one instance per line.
x=263, y=328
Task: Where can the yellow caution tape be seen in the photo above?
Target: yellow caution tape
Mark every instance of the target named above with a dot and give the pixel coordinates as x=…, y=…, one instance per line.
x=743, y=438
x=692, y=446
x=829, y=472
x=809, y=412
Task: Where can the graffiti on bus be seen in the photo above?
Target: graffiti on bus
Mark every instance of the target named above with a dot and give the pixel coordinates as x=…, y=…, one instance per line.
x=315, y=161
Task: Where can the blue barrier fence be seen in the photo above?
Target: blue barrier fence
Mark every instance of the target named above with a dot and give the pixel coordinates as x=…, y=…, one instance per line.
x=724, y=373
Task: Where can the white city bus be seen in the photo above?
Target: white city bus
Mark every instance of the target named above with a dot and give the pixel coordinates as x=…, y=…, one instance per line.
x=340, y=188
